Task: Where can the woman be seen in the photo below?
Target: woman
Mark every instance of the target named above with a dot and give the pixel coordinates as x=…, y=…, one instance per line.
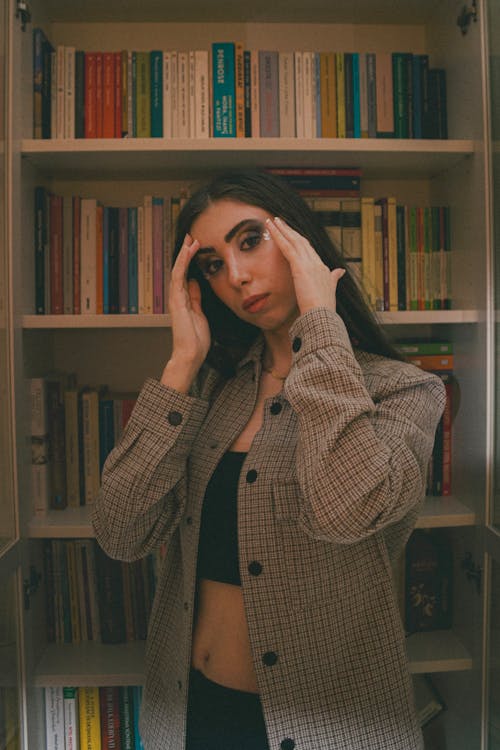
x=282, y=460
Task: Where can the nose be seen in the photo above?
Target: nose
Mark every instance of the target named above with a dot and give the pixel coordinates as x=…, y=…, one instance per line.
x=238, y=270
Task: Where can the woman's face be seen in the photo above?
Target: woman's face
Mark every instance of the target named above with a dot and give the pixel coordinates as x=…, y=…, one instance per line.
x=244, y=266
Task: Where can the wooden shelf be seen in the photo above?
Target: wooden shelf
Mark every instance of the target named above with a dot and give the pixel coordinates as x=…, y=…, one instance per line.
x=439, y=651
x=94, y=664
x=91, y=664
x=159, y=158
x=75, y=522
x=445, y=511
x=423, y=317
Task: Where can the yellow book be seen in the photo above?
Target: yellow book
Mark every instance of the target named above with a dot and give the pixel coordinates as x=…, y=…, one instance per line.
x=340, y=80
x=239, y=89
x=90, y=718
x=143, y=94
x=368, y=248
x=328, y=94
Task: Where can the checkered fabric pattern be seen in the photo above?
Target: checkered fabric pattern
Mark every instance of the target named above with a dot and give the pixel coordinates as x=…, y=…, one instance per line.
x=328, y=495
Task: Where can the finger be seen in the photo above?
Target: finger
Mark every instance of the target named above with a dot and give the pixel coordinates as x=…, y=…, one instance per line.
x=336, y=275
x=194, y=292
x=186, y=254
x=285, y=245
x=296, y=242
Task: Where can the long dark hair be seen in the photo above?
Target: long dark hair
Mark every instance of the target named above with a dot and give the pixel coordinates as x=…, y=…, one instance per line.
x=231, y=336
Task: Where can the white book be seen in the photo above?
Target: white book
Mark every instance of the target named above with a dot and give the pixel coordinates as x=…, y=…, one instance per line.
x=192, y=93
x=255, y=92
x=363, y=95
x=299, y=94
x=202, y=95
x=148, y=254
x=183, y=93
x=88, y=257
x=287, y=94
x=174, y=93
x=71, y=727
x=69, y=92
x=60, y=89
x=54, y=718
x=307, y=67
x=167, y=96
x=140, y=261
x=68, y=254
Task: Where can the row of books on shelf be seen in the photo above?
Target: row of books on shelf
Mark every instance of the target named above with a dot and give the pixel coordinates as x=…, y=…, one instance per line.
x=437, y=356
x=93, y=259
x=92, y=598
x=92, y=718
x=72, y=431
x=230, y=91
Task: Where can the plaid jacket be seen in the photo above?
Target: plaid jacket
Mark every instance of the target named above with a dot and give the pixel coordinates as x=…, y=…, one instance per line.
x=328, y=495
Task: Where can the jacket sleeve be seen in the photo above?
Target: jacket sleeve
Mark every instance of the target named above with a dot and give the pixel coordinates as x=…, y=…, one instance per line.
x=363, y=451
x=142, y=491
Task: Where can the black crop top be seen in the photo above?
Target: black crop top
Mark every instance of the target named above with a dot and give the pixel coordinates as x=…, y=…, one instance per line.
x=218, y=545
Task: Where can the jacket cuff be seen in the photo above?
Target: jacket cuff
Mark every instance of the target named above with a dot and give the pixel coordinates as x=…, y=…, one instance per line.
x=316, y=329
x=160, y=408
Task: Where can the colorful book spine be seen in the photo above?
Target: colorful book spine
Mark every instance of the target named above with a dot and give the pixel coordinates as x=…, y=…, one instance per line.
x=224, y=105
x=156, y=76
x=269, y=94
x=90, y=718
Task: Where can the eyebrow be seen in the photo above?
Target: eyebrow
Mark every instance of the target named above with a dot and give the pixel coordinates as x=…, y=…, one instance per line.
x=229, y=236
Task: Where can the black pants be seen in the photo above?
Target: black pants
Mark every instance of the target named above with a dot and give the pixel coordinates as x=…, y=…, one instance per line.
x=220, y=718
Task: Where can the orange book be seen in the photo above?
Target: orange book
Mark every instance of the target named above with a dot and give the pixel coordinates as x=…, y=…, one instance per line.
x=90, y=95
x=433, y=361
x=108, y=95
x=99, y=98
x=99, y=262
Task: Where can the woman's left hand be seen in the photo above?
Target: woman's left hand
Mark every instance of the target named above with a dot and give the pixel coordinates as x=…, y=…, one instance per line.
x=315, y=284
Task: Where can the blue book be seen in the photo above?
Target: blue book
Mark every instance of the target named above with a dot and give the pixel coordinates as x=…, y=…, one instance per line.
x=156, y=59
x=133, y=291
x=105, y=260
x=356, y=110
x=137, y=693
x=371, y=93
x=224, y=104
x=401, y=255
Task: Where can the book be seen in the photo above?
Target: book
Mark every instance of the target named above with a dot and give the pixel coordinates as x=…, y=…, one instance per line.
x=269, y=94
x=108, y=95
x=71, y=717
x=90, y=430
x=317, y=181
x=286, y=80
x=54, y=718
x=56, y=255
x=143, y=95
x=40, y=447
x=88, y=253
x=328, y=92
x=73, y=446
x=429, y=703
x=419, y=347
x=90, y=718
x=110, y=598
x=384, y=93
x=201, y=94
x=109, y=708
x=239, y=85
x=41, y=248
x=223, y=90
x=183, y=94
x=429, y=578
x=69, y=92
x=156, y=77
x=56, y=385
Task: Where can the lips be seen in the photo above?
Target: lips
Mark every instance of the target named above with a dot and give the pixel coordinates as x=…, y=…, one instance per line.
x=251, y=303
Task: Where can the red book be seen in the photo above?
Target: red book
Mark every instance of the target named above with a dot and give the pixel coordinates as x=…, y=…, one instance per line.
x=77, y=305
x=99, y=94
x=118, y=94
x=385, y=251
x=109, y=704
x=56, y=255
x=90, y=95
x=108, y=95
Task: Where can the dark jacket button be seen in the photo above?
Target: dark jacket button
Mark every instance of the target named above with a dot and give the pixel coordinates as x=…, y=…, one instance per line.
x=174, y=417
x=189, y=520
x=276, y=407
x=270, y=658
x=251, y=476
x=287, y=744
x=255, y=568
x=296, y=343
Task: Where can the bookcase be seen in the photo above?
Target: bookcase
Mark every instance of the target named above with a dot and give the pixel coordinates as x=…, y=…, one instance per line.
x=122, y=350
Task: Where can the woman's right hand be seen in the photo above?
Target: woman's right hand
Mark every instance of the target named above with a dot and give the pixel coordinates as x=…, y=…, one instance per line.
x=190, y=329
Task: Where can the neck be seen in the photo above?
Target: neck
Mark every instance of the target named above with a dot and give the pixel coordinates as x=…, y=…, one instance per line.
x=277, y=353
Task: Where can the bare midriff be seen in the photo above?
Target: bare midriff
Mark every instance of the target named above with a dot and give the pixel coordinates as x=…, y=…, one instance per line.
x=221, y=646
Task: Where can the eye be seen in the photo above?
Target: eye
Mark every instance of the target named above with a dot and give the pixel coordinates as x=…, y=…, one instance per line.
x=251, y=239
x=210, y=266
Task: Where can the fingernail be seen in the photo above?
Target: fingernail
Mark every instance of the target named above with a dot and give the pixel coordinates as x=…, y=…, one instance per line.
x=266, y=235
